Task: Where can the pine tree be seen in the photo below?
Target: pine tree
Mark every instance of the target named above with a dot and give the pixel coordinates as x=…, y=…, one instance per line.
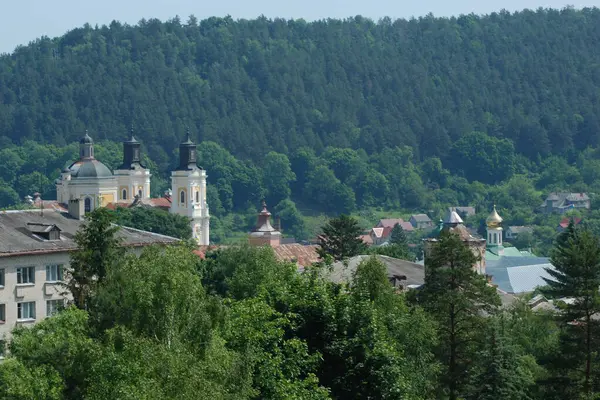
x=98, y=248
x=457, y=298
x=576, y=275
x=503, y=373
x=341, y=239
x=398, y=236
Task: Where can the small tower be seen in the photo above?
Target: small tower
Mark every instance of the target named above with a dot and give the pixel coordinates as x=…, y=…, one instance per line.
x=133, y=178
x=494, y=232
x=454, y=223
x=263, y=233
x=188, y=183
x=86, y=147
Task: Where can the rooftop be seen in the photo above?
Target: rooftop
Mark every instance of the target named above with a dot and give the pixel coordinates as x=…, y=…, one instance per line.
x=344, y=271
x=16, y=238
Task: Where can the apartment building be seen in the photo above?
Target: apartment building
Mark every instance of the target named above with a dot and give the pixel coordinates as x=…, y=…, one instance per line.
x=35, y=247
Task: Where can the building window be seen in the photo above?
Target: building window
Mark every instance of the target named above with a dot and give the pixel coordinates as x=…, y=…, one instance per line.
x=88, y=205
x=25, y=275
x=1, y=277
x=182, y=197
x=54, y=273
x=124, y=194
x=2, y=313
x=54, y=306
x=198, y=196
x=26, y=311
x=140, y=193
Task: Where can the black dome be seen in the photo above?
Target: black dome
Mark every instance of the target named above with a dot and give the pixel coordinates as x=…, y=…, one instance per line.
x=86, y=139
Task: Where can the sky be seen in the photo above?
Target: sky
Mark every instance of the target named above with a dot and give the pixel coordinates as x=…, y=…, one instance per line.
x=22, y=21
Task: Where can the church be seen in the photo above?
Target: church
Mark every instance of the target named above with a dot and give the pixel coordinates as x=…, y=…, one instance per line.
x=88, y=184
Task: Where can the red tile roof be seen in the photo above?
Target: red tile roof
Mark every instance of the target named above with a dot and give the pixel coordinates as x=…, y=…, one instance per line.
x=389, y=222
x=564, y=223
x=303, y=255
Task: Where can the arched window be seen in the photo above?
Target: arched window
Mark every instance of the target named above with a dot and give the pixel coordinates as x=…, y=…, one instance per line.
x=140, y=193
x=88, y=205
x=124, y=194
x=182, y=197
x=198, y=196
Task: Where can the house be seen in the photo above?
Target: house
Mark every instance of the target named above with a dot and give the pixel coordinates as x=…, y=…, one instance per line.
x=463, y=212
x=380, y=235
x=421, y=221
x=389, y=222
x=561, y=202
x=512, y=232
x=35, y=249
x=564, y=223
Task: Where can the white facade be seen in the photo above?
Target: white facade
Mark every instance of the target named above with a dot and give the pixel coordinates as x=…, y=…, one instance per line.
x=95, y=192
x=133, y=182
x=494, y=237
x=189, y=200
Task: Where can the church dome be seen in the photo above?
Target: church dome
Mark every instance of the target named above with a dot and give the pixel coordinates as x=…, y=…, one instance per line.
x=90, y=168
x=494, y=219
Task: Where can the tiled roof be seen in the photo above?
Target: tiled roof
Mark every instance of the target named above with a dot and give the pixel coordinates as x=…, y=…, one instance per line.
x=406, y=226
x=389, y=222
x=16, y=238
x=564, y=223
x=303, y=255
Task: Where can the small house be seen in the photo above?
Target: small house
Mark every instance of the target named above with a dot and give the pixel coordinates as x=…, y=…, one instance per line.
x=421, y=221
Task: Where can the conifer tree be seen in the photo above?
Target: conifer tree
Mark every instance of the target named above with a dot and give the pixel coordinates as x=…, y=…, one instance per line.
x=398, y=236
x=98, y=247
x=576, y=275
x=341, y=239
x=457, y=298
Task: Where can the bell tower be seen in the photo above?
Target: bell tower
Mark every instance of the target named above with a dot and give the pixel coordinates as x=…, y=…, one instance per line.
x=494, y=232
x=188, y=183
x=133, y=178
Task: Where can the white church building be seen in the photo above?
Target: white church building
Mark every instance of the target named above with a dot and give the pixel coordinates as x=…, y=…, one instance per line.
x=88, y=183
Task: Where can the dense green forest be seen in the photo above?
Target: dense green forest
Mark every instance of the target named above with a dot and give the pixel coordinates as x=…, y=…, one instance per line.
x=322, y=117
x=241, y=325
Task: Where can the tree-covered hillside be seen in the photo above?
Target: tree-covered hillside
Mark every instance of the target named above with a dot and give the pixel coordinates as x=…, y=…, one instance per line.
x=260, y=85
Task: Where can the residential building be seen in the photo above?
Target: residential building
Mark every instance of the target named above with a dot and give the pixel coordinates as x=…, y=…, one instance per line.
x=561, y=202
x=88, y=184
x=35, y=248
x=564, y=223
x=421, y=221
x=513, y=232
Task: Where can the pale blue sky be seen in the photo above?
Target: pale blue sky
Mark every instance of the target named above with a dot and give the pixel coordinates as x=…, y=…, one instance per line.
x=24, y=20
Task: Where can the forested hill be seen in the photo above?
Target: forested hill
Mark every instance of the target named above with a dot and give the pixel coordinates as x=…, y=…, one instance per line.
x=260, y=85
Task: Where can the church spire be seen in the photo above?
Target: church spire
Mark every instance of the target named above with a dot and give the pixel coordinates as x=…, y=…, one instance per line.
x=187, y=154
x=86, y=147
x=131, y=153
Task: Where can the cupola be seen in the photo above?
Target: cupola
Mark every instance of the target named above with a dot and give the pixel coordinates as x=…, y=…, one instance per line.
x=494, y=220
x=187, y=155
x=86, y=147
x=131, y=153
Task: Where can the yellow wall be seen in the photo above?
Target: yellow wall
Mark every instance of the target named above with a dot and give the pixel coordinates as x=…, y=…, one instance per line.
x=107, y=198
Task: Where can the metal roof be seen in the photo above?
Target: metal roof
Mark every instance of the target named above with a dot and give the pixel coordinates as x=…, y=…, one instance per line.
x=17, y=239
x=344, y=271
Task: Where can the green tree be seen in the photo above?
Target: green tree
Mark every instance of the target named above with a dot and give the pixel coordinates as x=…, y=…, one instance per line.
x=291, y=219
x=154, y=220
x=98, y=249
x=398, y=236
x=576, y=274
x=456, y=297
x=277, y=177
x=340, y=239
x=18, y=382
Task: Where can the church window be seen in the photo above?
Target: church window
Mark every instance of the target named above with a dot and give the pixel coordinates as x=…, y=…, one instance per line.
x=124, y=194
x=88, y=205
x=140, y=193
x=182, y=197
x=198, y=197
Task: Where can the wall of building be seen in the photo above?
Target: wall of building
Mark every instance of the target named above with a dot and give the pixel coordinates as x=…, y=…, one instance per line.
x=40, y=292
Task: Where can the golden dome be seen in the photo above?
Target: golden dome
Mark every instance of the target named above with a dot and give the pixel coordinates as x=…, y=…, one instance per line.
x=493, y=220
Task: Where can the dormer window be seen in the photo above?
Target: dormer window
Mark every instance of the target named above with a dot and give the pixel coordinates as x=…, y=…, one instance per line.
x=44, y=231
